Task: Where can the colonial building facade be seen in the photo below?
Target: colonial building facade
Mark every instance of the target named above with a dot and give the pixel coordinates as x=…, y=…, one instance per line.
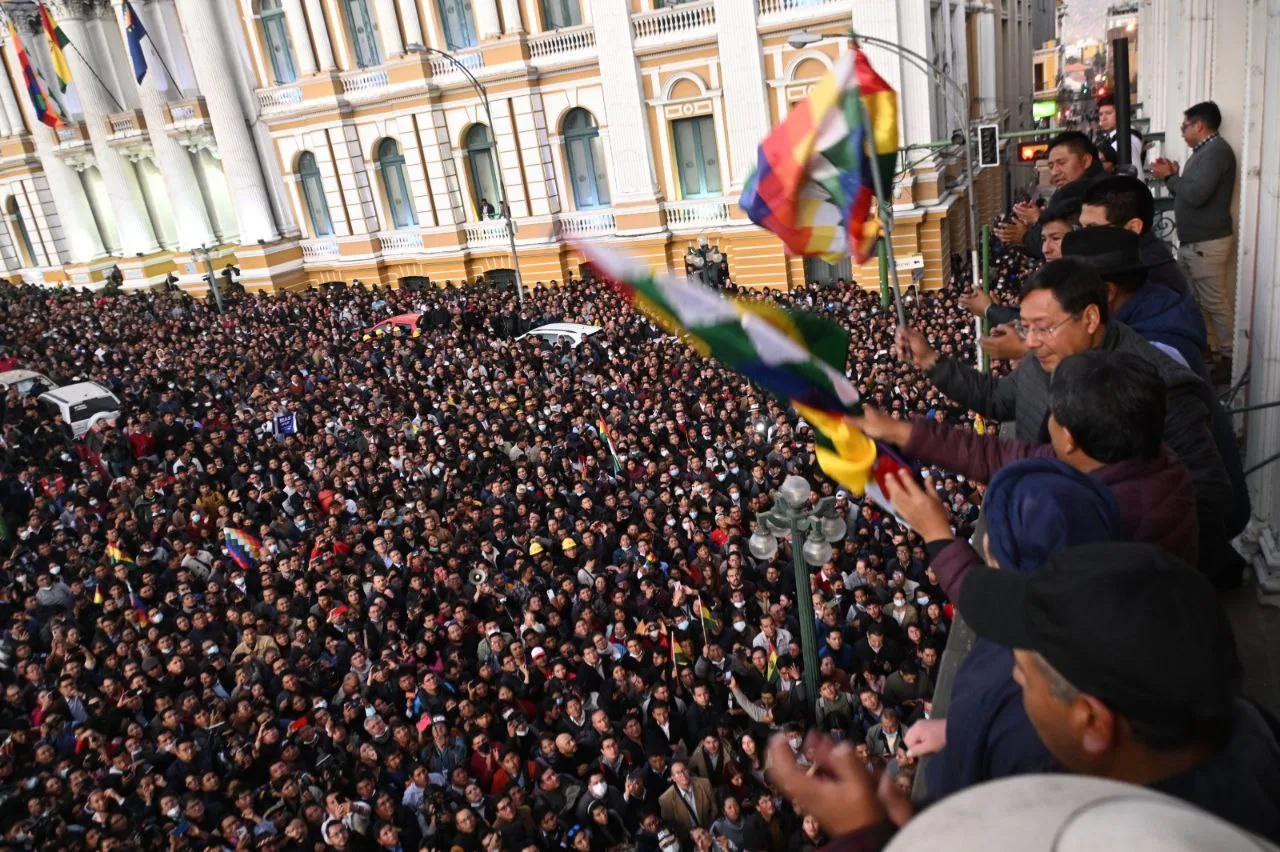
x=316, y=140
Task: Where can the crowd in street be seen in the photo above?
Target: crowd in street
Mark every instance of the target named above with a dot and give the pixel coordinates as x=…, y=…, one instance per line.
x=439, y=588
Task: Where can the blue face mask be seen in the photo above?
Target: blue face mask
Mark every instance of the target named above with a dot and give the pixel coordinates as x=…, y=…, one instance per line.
x=923, y=600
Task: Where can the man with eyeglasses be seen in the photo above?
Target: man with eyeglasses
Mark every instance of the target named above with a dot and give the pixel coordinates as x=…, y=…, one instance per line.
x=1064, y=311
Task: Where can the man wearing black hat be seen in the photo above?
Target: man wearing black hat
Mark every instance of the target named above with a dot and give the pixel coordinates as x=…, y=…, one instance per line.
x=1128, y=670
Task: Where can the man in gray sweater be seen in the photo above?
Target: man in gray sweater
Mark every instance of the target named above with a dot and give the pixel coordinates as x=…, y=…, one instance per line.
x=1202, y=206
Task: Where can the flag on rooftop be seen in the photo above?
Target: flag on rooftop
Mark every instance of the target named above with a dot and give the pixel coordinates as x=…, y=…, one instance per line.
x=813, y=185
x=46, y=110
x=57, y=41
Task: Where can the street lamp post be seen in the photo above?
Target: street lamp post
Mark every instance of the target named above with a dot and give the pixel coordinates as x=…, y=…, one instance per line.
x=818, y=529
x=497, y=156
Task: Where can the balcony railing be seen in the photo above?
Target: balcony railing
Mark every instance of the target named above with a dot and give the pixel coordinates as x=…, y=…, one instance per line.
x=587, y=224
x=277, y=100
x=486, y=233
x=779, y=7
x=126, y=124
x=314, y=251
x=408, y=241
x=365, y=83
x=673, y=20
x=693, y=215
x=563, y=41
x=442, y=68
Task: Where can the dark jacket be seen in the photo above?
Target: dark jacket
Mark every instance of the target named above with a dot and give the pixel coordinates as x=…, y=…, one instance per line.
x=1156, y=499
x=1023, y=396
x=1066, y=196
x=988, y=733
x=1162, y=315
x=1241, y=783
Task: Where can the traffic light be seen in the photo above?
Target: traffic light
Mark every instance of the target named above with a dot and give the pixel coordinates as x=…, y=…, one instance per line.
x=988, y=145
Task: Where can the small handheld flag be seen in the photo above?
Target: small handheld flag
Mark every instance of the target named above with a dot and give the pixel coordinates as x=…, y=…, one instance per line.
x=139, y=607
x=57, y=41
x=814, y=184
x=244, y=548
x=771, y=669
x=603, y=428
x=118, y=556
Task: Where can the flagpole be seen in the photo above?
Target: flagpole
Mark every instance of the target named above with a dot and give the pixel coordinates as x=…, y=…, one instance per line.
x=101, y=83
x=702, y=608
x=884, y=204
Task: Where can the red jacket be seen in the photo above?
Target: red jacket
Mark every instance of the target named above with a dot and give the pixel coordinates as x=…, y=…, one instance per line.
x=1156, y=499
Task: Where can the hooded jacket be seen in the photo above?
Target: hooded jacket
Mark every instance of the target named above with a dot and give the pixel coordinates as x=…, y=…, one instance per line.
x=1156, y=500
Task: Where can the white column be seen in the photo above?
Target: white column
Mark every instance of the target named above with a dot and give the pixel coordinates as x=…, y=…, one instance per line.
x=302, y=52
x=916, y=97
x=320, y=34
x=487, y=23
x=206, y=40
x=986, y=62
x=80, y=237
x=191, y=218
x=118, y=176
x=9, y=105
x=7, y=126
x=742, y=81
x=630, y=162
x=511, y=17
x=413, y=34
x=533, y=14
x=389, y=28
x=442, y=171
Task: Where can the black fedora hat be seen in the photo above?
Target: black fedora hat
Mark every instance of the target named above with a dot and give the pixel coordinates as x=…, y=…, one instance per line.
x=1112, y=251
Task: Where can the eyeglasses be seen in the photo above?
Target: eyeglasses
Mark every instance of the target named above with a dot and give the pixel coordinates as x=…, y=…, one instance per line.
x=1024, y=331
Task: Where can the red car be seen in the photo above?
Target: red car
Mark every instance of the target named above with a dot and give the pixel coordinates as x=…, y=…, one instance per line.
x=406, y=324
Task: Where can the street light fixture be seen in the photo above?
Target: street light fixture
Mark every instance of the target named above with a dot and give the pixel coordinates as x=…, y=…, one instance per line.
x=497, y=155
x=818, y=529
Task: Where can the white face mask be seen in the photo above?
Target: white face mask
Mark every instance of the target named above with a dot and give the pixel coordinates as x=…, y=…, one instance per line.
x=598, y=790
x=683, y=624
x=739, y=626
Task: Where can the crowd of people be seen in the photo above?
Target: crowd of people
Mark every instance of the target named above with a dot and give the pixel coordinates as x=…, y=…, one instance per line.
x=470, y=625
x=439, y=588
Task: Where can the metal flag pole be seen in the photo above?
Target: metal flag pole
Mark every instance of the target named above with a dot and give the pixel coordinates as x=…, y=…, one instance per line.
x=101, y=83
x=884, y=205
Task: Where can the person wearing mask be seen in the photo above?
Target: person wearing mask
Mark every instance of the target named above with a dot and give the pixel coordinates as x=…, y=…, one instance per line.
x=1202, y=210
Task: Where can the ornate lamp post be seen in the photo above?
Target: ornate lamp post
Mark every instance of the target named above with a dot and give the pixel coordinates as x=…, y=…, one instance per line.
x=811, y=533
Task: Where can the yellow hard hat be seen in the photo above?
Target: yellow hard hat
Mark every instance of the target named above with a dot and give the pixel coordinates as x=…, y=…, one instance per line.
x=568, y=543
x=535, y=548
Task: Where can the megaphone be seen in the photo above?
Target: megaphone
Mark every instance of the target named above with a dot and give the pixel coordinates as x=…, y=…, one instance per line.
x=477, y=576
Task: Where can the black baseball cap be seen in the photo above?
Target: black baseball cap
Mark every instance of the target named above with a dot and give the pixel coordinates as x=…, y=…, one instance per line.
x=1127, y=623
x=1112, y=251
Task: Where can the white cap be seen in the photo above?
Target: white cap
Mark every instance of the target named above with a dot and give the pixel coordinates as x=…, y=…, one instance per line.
x=1068, y=813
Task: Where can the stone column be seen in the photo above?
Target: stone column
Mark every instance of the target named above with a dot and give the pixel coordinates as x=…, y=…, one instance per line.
x=216, y=78
x=511, y=23
x=79, y=238
x=630, y=162
x=413, y=34
x=191, y=218
x=986, y=90
x=742, y=81
x=388, y=28
x=320, y=34
x=487, y=23
x=118, y=176
x=9, y=124
x=302, y=52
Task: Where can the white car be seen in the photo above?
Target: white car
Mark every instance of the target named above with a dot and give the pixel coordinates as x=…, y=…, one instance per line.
x=24, y=380
x=82, y=405
x=574, y=332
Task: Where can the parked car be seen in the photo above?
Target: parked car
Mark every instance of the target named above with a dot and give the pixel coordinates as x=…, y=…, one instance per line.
x=25, y=380
x=83, y=405
x=406, y=323
x=574, y=332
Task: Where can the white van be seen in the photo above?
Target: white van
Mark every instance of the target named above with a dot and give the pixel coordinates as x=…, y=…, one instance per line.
x=24, y=380
x=574, y=332
x=82, y=405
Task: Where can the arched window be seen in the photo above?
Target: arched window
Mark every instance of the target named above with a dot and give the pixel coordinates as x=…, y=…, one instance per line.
x=484, y=174
x=586, y=160
x=697, y=161
x=459, y=25
x=276, y=34
x=313, y=193
x=18, y=230
x=561, y=13
x=396, y=184
x=364, y=35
